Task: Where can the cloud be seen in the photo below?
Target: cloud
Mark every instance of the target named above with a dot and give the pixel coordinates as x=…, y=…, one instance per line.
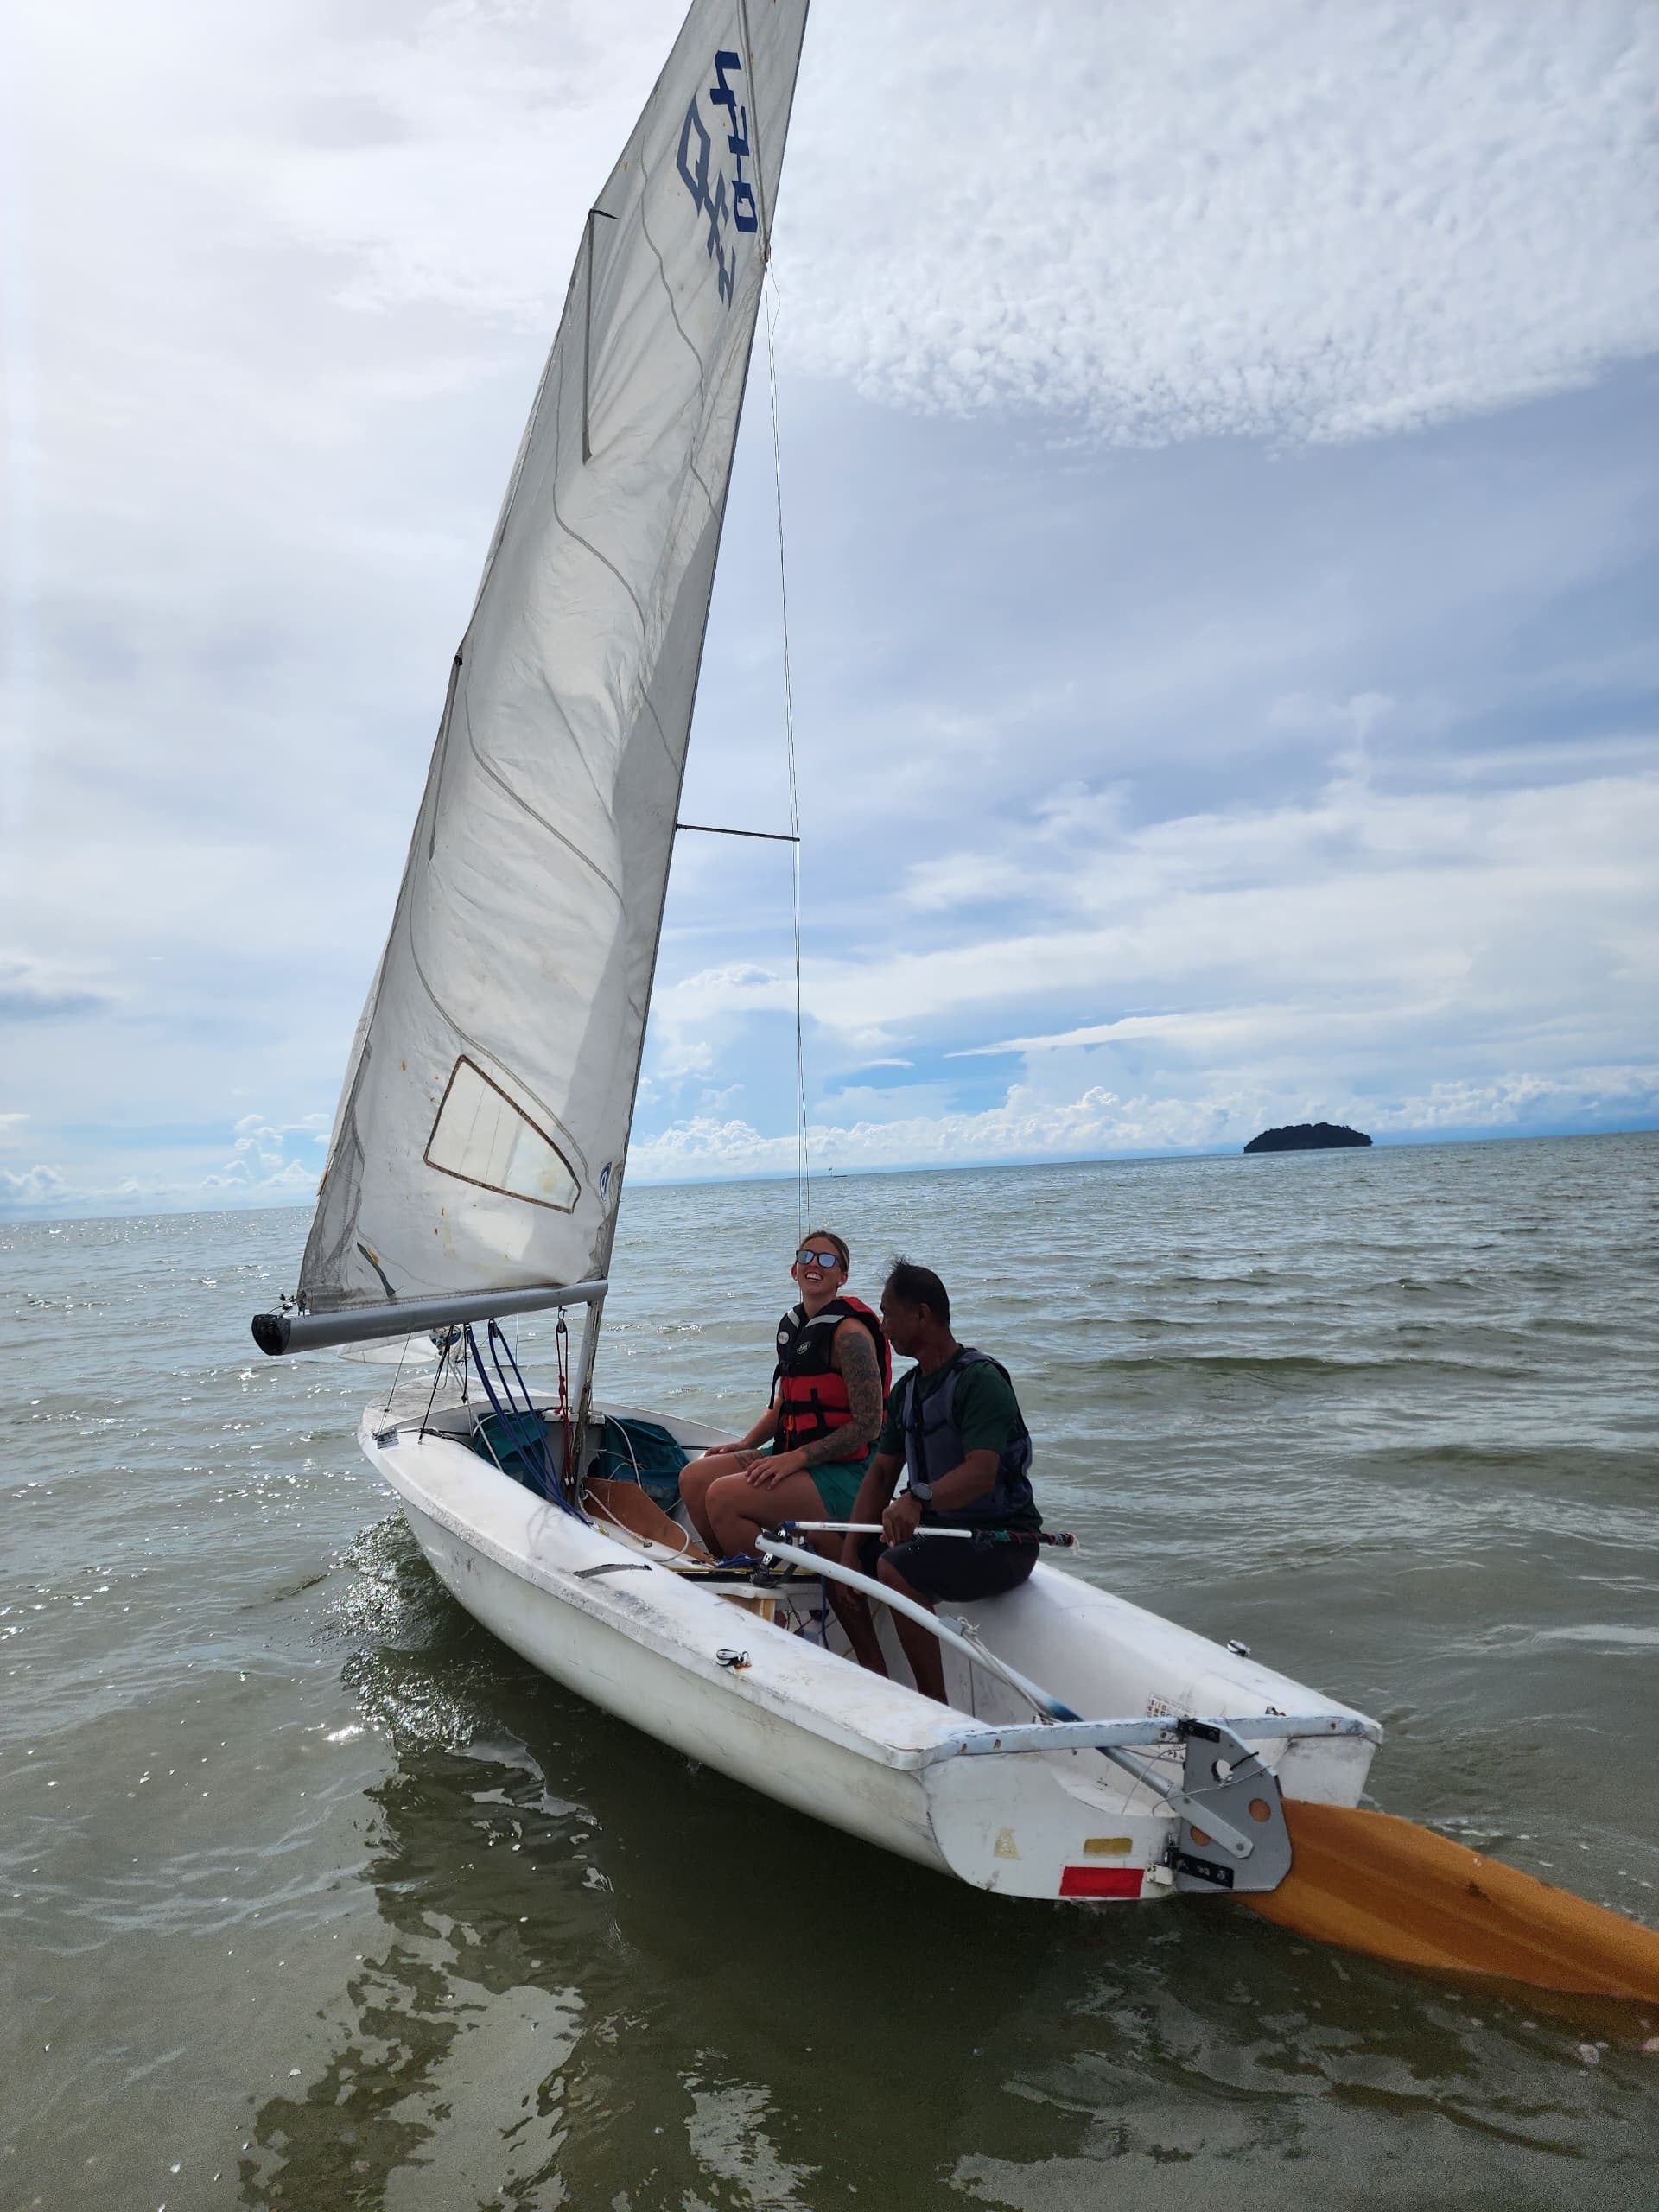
x=38, y=1186
x=1289, y=219
x=960, y=880
x=1027, y=1127
x=1512, y=1101
x=1023, y=1128
x=1183, y=771
x=1481, y=957
x=284, y=1181
x=1468, y=905
x=1200, y=1029
x=260, y=1172
x=260, y=1168
x=40, y=990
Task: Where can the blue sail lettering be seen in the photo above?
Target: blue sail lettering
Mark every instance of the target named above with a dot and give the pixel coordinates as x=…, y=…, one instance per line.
x=728, y=203
x=744, y=214
x=696, y=181
x=714, y=205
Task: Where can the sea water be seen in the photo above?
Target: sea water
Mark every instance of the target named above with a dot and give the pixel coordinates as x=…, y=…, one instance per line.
x=317, y=1896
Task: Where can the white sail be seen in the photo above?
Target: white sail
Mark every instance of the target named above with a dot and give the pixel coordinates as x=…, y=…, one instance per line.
x=484, y=1120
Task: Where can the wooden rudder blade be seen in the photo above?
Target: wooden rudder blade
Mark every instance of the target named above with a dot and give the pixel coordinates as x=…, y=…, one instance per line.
x=1369, y=1882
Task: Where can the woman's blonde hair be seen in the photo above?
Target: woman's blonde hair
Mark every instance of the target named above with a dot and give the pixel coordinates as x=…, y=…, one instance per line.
x=830, y=1237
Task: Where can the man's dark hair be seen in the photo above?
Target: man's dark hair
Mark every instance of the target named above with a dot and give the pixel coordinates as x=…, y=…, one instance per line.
x=909, y=1285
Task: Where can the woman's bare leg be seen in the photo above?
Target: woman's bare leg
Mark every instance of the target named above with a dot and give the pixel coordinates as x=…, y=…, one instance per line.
x=696, y=1479
x=739, y=1510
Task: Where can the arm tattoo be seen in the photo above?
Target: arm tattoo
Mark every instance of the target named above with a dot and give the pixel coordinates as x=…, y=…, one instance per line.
x=862, y=1376
x=863, y=1379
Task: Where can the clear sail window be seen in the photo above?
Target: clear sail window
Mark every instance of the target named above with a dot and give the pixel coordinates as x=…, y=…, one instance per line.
x=482, y=1137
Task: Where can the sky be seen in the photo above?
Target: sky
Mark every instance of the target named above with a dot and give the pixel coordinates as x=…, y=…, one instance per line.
x=1221, y=498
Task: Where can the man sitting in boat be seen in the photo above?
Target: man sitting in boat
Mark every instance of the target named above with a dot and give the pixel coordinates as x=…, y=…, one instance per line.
x=806, y=1457
x=954, y=1428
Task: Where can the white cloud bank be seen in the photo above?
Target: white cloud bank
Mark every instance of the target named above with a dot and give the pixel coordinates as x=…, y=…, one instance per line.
x=263, y=1165
x=1025, y=1127
x=1301, y=218
x=1532, y=914
x=1296, y=219
x=1099, y=1122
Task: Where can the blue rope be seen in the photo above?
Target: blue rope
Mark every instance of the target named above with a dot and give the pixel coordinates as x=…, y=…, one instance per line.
x=551, y=1488
x=477, y=1359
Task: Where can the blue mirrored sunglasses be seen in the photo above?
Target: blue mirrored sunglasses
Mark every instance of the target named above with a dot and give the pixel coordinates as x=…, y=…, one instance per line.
x=806, y=1257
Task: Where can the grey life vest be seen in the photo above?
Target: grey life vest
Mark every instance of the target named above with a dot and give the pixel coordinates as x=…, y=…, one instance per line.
x=934, y=1448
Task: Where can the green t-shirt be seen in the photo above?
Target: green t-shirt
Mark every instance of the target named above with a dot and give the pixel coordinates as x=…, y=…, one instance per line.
x=987, y=1413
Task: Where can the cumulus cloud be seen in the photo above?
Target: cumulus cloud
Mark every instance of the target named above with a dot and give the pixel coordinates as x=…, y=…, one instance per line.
x=261, y=1169
x=271, y=1181
x=1022, y=1127
x=1027, y=1127
x=37, y=1187
x=1511, y=1102
x=1465, y=908
x=1409, y=960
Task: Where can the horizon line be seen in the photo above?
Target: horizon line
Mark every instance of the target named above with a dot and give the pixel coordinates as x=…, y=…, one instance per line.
x=1397, y=1141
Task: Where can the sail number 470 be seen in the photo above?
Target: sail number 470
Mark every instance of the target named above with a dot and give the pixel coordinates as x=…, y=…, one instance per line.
x=696, y=158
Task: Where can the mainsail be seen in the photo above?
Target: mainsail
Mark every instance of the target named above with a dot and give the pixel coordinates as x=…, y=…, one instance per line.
x=483, y=1125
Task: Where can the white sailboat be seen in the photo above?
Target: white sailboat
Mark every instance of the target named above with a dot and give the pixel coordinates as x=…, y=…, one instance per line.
x=478, y=1153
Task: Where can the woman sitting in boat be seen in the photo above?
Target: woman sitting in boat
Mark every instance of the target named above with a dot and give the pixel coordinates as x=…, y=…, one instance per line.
x=955, y=1430
x=806, y=1457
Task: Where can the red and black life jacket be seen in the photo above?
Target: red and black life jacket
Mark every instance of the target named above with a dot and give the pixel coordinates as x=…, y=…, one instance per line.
x=810, y=1396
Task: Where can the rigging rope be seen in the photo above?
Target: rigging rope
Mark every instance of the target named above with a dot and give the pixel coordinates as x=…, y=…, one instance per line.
x=803, y=1148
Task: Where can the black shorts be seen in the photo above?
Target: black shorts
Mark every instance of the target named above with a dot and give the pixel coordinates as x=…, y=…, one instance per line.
x=947, y=1567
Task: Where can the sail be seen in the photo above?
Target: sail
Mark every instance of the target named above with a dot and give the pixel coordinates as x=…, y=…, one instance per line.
x=483, y=1124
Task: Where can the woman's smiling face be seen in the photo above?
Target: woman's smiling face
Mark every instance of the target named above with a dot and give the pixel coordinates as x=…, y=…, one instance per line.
x=819, y=1267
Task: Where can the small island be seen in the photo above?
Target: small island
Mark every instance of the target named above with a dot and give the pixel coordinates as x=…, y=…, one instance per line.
x=1307, y=1136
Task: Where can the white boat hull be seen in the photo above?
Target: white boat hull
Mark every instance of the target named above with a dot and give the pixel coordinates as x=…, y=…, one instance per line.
x=805, y=1726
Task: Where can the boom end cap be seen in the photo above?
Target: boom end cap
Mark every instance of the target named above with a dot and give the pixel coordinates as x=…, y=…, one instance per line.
x=270, y=1333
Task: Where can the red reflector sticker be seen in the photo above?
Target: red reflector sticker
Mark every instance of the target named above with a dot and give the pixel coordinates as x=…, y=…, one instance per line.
x=1101, y=1881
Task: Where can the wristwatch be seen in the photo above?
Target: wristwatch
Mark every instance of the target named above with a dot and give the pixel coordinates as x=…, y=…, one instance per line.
x=922, y=1492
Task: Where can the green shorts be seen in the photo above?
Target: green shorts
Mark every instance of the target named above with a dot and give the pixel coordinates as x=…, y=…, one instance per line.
x=838, y=1484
